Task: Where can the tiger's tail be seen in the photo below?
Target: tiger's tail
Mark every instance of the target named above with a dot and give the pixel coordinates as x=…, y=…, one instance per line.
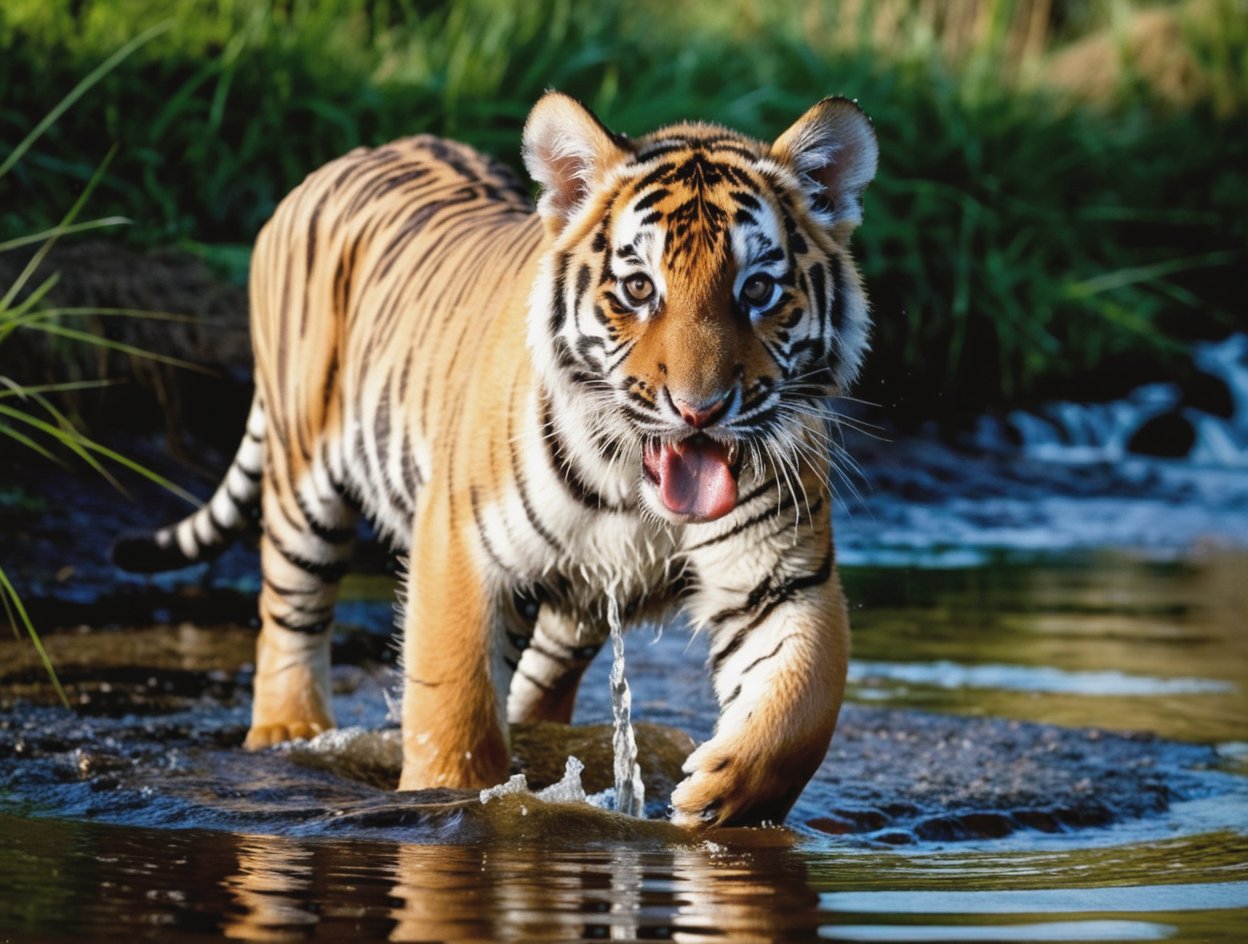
x=206, y=533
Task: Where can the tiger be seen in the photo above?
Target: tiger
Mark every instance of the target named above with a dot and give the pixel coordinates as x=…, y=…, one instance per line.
x=615, y=400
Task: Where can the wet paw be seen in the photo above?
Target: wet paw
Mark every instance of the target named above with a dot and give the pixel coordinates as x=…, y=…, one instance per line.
x=266, y=735
x=713, y=794
x=734, y=783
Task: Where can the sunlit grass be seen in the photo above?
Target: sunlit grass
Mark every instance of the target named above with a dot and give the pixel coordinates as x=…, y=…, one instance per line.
x=1014, y=242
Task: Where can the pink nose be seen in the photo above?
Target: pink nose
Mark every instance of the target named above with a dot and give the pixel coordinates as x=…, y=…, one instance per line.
x=703, y=414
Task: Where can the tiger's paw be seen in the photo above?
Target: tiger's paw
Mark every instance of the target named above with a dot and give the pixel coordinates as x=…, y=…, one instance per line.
x=714, y=792
x=261, y=736
x=731, y=784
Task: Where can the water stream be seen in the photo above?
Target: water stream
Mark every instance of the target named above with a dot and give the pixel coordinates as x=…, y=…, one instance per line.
x=1050, y=749
x=630, y=791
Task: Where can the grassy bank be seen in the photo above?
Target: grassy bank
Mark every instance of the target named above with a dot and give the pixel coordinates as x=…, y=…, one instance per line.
x=1019, y=245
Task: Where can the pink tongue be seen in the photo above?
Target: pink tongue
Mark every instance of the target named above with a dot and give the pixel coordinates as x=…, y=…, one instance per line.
x=694, y=479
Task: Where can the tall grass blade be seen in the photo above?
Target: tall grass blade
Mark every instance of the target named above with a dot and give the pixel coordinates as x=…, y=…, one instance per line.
x=37, y=259
x=13, y=602
x=79, y=90
x=57, y=231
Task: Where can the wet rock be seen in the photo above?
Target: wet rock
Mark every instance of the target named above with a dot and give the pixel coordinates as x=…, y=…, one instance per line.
x=1170, y=435
x=944, y=779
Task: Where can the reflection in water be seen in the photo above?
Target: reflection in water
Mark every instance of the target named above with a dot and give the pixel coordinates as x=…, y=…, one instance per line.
x=282, y=889
x=1107, y=641
x=273, y=880
x=73, y=881
x=518, y=894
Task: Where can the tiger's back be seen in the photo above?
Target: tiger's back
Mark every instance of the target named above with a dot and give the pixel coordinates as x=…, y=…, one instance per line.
x=375, y=290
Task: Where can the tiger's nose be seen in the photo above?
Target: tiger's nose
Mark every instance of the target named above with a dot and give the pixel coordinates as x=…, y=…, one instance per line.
x=699, y=415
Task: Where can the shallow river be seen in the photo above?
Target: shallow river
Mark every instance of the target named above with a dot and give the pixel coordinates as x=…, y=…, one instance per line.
x=977, y=789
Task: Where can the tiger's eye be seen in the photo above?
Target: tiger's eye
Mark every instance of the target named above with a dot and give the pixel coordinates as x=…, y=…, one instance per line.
x=757, y=289
x=639, y=289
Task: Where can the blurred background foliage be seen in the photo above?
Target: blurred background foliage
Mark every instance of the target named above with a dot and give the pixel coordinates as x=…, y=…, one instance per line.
x=1062, y=201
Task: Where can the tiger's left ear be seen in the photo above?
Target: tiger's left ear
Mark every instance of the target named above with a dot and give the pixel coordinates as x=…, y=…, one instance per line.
x=567, y=150
x=833, y=150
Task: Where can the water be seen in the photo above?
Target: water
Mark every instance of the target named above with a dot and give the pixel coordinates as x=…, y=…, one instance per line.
x=976, y=790
x=1205, y=422
x=630, y=791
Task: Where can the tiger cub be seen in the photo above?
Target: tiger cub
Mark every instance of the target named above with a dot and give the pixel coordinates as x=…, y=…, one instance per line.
x=620, y=399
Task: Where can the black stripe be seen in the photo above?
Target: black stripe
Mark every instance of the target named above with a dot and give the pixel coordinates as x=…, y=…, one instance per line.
x=310, y=629
x=746, y=199
x=819, y=294
x=765, y=515
x=552, y=656
x=562, y=463
x=242, y=502
x=542, y=685
x=412, y=479
x=559, y=306
x=327, y=533
x=659, y=150
x=475, y=499
x=770, y=598
x=582, y=282
x=761, y=659
x=330, y=572
x=837, y=313
x=523, y=488
x=655, y=175
x=289, y=591
x=650, y=199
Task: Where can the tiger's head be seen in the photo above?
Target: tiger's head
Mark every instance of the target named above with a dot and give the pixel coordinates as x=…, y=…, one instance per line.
x=698, y=300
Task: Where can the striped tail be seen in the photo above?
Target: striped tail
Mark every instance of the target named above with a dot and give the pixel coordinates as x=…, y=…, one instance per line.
x=206, y=533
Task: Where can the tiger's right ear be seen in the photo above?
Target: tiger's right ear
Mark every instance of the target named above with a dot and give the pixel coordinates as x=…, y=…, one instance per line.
x=567, y=151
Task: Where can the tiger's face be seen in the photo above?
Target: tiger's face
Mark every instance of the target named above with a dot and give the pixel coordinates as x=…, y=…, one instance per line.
x=699, y=299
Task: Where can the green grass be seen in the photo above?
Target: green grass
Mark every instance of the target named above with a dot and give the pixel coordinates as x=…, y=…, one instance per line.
x=29, y=414
x=1015, y=248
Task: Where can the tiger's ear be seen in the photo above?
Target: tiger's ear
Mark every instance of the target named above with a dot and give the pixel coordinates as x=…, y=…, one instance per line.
x=567, y=151
x=833, y=150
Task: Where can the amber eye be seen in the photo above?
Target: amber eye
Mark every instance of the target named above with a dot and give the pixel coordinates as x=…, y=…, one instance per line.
x=756, y=292
x=638, y=289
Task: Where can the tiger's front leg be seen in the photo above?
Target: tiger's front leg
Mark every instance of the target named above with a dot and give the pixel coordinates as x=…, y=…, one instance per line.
x=455, y=679
x=779, y=654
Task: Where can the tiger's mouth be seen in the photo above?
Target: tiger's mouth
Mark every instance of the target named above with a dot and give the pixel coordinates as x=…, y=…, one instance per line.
x=695, y=477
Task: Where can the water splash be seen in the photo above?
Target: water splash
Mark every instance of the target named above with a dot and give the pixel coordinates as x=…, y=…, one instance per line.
x=630, y=792
x=518, y=784
x=1204, y=420
x=567, y=790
